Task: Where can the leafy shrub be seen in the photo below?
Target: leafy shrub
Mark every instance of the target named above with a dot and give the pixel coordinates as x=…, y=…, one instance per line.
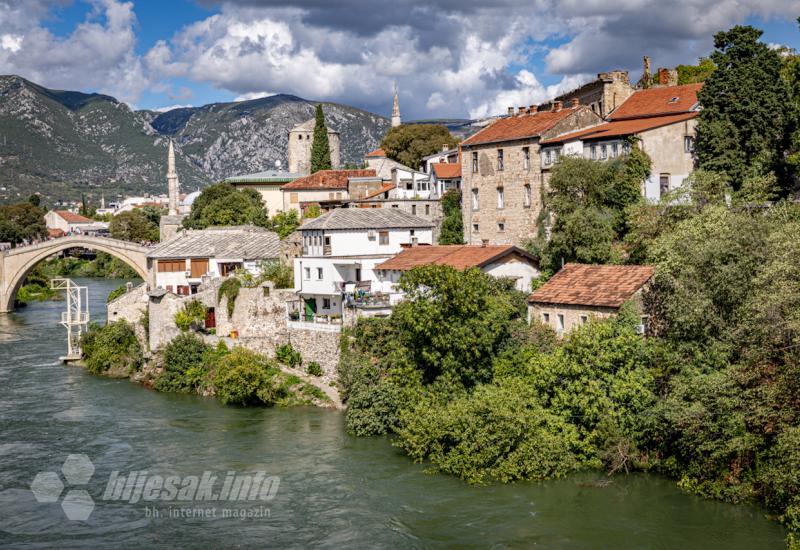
x=287, y=355
x=192, y=314
x=229, y=289
x=186, y=364
x=116, y=293
x=113, y=346
x=282, y=276
x=314, y=369
x=247, y=378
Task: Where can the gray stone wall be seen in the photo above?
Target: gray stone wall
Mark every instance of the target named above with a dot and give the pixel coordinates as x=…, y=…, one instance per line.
x=130, y=307
x=299, y=150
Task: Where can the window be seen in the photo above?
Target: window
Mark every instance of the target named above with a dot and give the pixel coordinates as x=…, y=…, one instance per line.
x=326, y=303
x=546, y=318
x=594, y=152
x=688, y=144
x=528, y=195
x=331, y=196
x=171, y=266
x=307, y=273
x=499, y=160
x=411, y=232
x=603, y=152
x=526, y=158
x=663, y=184
x=475, y=202
x=501, y=198
x=293, y=198
x=548, y=158
x=427, y=209
x=501, y=226
x=475, y=227
x=475, y=162
x=584, y=318
x=383, y=237
x=338, y=196
x=395, y=206
x=300, y=137
x=358, y=274
x=414, y=209
x=327, y=240
x=319, y=273
x=614, y=150
x=560, y=322
x=626, y=148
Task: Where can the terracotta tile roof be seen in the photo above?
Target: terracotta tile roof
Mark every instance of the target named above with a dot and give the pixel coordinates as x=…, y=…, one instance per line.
x=518, y=127
x=379, y=152
x=658, y=101
x=622, y=127
x=593, y=285
x=55, y=233
x=328, y=179
x=457, y=256
x=71, y=217
x=444, y=171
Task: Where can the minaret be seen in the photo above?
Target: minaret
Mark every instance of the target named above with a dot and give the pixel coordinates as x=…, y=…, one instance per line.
x=172, y=181
x=396, y=110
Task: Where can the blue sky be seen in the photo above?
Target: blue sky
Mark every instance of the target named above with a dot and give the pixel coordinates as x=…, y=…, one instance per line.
x=448, y=57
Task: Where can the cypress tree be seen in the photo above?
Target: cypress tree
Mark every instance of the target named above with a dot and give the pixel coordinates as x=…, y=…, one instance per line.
x=320, y=149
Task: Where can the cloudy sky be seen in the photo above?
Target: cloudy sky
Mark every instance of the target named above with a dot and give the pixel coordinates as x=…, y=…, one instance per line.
x=449, y=58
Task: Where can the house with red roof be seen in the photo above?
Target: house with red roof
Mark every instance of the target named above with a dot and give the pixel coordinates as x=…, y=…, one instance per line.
x=579, y=292
x=501, y=175
x=324, y=188
x=64, y=222
x=662, y=122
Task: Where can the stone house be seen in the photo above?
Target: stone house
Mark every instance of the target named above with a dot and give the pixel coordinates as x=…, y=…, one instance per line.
x=181, y=264
x=67, y=222
x=503, y=261
x=661, y=120
x=580, y=291
x=501, y=171
x=301, y=137
x=268, y=184
x=603, y=95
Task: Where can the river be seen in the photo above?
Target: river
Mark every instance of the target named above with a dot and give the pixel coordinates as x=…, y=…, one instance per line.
x=329, y=489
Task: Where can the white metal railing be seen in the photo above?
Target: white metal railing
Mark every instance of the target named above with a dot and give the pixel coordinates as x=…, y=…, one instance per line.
x=314, y=325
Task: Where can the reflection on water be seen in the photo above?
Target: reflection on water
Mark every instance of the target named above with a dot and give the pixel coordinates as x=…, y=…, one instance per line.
x=335, y=490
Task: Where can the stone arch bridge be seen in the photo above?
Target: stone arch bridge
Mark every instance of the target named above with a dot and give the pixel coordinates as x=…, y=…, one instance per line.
x=16, y=263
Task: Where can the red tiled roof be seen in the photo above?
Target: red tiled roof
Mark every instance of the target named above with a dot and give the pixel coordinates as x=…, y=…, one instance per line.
x=328, y=179
x=446, y=171
x=593, y=285
x=457, y=256
x=518, y=127
x=658, y=101
x=379, y=152
x=55, y=233
x=625, y=127
x=71, y=217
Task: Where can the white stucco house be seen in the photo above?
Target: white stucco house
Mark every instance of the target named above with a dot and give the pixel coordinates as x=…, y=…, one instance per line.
x=340, y=252
x=181, y=262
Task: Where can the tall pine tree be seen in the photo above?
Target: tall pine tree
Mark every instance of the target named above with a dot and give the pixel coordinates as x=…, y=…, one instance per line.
x=744, y=124
x=320, y=148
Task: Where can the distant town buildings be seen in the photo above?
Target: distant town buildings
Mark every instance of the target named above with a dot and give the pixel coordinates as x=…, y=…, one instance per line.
x=64, y=222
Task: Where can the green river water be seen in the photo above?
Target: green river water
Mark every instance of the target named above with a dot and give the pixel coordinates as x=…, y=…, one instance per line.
x=330, y=489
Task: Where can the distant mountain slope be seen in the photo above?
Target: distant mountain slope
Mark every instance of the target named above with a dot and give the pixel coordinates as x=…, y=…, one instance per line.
x=64, y=143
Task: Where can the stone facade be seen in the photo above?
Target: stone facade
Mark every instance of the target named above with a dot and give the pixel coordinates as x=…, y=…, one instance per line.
x=299, y=149
x=504, y=206
x=131, y=307
x=603, y=95
x=563, y=318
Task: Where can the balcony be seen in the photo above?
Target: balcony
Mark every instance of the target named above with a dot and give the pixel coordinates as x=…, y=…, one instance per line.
x=321, y=323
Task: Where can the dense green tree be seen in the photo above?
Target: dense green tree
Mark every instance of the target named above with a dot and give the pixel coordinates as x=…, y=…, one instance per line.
x=409, y=143
x=21, y=222
x=135, y=226
x=35, y=199
x=452, y=223
x=745, y=123
x=223, y=205
x=691, y=74
x=320, y=148
x=285, y=223
x=112, y=347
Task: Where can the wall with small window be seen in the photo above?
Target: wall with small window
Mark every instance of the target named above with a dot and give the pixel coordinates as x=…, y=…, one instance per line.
x=562, y=318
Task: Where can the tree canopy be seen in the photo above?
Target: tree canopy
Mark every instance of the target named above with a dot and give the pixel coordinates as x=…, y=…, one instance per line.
x=452, y=223
x=21, y=222
x=320, y=148
x=135, y=226
x=222, y=205
x=409, y=143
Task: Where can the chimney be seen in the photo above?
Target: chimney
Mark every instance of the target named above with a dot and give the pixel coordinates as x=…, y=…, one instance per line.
x=414, y=242
x=484, y=243
x=532, y=109
x=445, y=147
x=575, y=102
x=522, y=110
x=511, y=111
x=556, y=106
x=646, y=71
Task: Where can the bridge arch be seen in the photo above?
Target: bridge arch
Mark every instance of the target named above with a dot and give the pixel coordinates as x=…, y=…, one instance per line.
x=17, y=263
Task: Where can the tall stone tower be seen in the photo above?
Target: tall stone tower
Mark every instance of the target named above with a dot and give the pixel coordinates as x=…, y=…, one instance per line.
x=172, y=181
x=396, y=121
x=298, y=151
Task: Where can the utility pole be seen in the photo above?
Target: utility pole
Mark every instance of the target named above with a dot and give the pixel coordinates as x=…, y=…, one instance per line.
x=76, y=318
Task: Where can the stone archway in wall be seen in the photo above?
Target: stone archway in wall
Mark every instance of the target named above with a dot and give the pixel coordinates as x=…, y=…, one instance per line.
x=17, y=263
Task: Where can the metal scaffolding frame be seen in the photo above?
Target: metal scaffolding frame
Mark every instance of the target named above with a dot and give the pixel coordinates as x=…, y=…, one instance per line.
x=76, y=318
